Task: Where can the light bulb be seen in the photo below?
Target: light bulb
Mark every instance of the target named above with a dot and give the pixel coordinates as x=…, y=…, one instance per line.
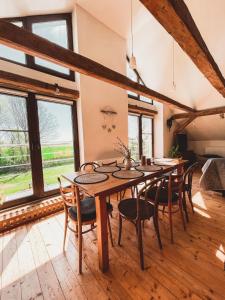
x=133, y=64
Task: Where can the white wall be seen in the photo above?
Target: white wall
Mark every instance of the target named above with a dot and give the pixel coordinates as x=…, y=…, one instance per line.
x=98, y=42
x=208, y=147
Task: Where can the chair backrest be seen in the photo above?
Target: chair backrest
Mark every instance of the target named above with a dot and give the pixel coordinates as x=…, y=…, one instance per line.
x=71, y=198
x=112, y=163
x=153, y=186
x=188, y=175
x=89, y=166
x=67, y=194
x=175, y=185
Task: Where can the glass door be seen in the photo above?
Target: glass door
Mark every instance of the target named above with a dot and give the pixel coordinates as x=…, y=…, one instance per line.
x=15, y=163
x=133, y=135
x=56, y=141
x=147, y=136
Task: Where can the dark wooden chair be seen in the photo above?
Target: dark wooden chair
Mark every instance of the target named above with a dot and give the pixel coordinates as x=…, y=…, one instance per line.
x=187, y=187
x=80, y=212
x=170, y=199
x=137, y=210
x=89, y=166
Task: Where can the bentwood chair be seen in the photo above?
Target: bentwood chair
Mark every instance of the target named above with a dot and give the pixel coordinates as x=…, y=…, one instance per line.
x=89, y=166
x=187, y=187
x=137, y=210
x=170, y=199
x=80, y=212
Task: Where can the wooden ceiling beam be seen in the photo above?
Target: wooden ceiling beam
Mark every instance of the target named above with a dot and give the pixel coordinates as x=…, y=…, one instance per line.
x=25, y=84
x=201, y=113
x=18, y=38
x=175, y=17
x=180, y=127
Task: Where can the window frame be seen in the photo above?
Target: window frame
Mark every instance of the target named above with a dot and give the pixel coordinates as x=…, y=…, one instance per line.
x=27, y=25
x=35, y=152
x=140, y=143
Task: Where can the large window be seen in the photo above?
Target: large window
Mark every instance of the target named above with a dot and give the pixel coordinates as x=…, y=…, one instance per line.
x=140, y=136
x=38, y=142
x=15, y=164
x=55, y=28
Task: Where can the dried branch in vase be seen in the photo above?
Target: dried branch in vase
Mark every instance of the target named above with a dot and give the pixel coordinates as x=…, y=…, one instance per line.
x=122, y=149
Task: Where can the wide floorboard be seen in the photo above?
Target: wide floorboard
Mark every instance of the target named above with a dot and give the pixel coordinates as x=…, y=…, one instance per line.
x=33, y=265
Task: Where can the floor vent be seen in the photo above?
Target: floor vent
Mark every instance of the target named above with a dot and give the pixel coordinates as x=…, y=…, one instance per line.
x=25, y=214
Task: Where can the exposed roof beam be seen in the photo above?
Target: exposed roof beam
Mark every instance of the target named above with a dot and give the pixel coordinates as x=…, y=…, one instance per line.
x=180, y=127
x=26, y=84
x=18, y=38
x=175, y=17
x=201, y=113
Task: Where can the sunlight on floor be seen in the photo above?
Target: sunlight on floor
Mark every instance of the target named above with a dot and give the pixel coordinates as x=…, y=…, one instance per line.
x=202, y=213
x=220, y=254
x=199, y=200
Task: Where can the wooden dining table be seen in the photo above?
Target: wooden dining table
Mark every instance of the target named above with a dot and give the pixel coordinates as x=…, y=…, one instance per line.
x=111, y=186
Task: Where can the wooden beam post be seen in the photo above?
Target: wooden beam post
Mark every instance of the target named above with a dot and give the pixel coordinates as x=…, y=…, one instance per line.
x=18, y=38
x=181, y=127
x=175, y=17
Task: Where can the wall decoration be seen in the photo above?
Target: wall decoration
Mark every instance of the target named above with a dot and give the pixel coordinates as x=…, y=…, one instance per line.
x=109, y=114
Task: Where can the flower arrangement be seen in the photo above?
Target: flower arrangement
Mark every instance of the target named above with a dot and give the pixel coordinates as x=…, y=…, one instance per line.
x=122, y=149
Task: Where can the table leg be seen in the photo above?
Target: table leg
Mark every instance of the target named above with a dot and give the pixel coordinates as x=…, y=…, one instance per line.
x=103, y=251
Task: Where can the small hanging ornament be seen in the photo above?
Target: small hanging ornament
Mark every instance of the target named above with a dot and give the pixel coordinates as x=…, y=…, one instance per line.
x=108, y=116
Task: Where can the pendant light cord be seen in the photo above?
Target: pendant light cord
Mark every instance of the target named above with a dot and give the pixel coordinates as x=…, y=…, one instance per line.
x=131, y=22
x=173, y=67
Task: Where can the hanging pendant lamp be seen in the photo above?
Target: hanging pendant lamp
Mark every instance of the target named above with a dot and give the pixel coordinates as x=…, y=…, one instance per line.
x=133, y=64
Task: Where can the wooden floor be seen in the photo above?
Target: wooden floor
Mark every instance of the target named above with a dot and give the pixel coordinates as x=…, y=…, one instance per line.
x=33, y=266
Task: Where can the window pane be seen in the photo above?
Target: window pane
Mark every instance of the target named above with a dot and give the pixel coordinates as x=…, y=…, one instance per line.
x=56, y=32
x=142, y=98
x=147, y=136
x=15, y=165
x=133, y=141
x=56, y=133
x=13, y=54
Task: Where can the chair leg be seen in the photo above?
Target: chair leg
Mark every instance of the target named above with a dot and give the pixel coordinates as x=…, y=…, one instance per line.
x=185, y=206
x=156, y=225
x=65, y=231
x=132, y=192
x=120, y=230
x=190, y=200
x=140, y=244
x=143, y=224
x=110, y=231
x=170, y=221
x=80, y=248
x=181, y=213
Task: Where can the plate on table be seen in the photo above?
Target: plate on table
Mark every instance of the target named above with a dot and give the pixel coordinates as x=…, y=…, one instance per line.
x=91, y=178
x=149, y=168
x=107, y=169
x=127, y=174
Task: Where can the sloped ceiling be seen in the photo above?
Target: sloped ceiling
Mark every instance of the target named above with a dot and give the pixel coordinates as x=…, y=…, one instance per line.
x=157, y=57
